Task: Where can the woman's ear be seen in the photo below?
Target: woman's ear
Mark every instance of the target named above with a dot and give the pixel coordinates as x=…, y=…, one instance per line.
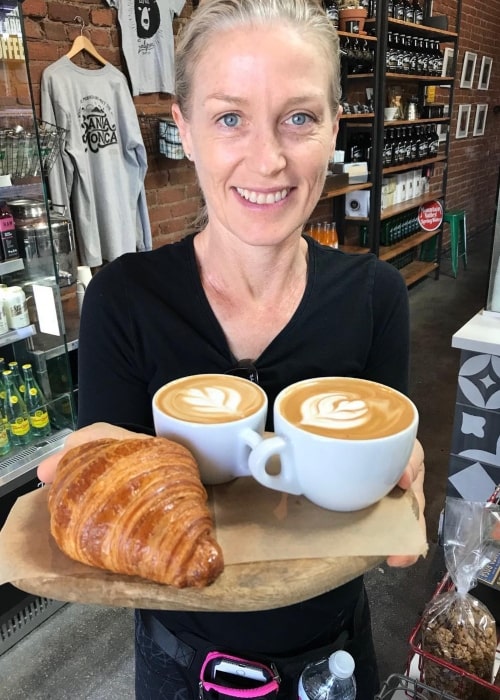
x=184, y=130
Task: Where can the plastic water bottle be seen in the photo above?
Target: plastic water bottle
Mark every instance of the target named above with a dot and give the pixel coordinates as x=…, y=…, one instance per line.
x=329, y=679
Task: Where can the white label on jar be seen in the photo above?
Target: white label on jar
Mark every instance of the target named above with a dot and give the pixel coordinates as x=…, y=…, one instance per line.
x=16, y=308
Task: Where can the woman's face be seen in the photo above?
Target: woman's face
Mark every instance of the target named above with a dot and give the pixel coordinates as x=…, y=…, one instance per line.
x=260, y=131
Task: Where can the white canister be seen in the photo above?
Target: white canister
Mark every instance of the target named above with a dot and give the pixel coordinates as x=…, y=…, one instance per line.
x=16, y=307
x=4, y=326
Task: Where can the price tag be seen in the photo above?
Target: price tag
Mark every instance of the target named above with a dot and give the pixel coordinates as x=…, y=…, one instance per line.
x=430, y=215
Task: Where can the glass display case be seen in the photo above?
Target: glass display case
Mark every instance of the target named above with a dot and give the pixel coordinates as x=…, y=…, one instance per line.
x=493, y=295
x=38, y=318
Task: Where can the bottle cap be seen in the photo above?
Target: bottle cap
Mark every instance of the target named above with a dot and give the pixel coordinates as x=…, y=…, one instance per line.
x=341, y=664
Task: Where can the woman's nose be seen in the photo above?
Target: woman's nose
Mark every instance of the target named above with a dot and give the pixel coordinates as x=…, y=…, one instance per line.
x=266, y=152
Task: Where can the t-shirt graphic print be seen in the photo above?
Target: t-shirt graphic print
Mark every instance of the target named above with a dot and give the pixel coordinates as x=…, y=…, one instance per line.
x=148, y=42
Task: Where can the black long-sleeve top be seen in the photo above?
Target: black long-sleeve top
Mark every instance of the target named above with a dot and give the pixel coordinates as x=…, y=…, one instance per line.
x=146, y=320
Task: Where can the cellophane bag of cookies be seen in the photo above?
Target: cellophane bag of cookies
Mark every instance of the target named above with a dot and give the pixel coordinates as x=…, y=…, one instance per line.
x=456, y=626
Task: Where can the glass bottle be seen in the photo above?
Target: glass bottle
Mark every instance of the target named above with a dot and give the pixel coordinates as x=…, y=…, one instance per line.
x=390, y=8
x=390, y=57
x=399, y=9
x=409, y=11
x=418, y=12
x=405, y=53
x=15, y=409
x=16, y=376
x=36, y=404
x=332, y=12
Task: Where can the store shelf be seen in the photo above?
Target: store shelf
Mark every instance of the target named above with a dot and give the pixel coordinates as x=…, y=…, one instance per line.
x=412, y=166
x=396, y=209
x=8, y=266
x=409, y=77
x=418, y=29
x=368, y=37
x=18, y=334
x=354, y=117
x=392, y=251
x=328, y=194
x=416, y=271
x=22, y=191
x=19, y=466
x=415, y=122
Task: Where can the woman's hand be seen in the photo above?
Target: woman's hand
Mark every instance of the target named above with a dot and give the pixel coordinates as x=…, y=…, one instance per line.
x=413, y=477
x=47, y=469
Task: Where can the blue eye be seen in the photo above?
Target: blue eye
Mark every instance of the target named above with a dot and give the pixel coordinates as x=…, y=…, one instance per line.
x=299, y=119
x=230, y=119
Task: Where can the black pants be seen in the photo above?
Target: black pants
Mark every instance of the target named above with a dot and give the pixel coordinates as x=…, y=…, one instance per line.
x=160, y=677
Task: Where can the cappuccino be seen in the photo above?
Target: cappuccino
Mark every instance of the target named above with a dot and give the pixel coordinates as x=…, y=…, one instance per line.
x=210, y=398
x=346, y=408
x=216, y=416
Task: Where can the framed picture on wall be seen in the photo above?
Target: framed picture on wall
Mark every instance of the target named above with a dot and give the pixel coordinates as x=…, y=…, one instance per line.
x=463, y=121
x=447, y=70
x=480, y=120
x=442, y=132
x=468, y=69
x=485, y=73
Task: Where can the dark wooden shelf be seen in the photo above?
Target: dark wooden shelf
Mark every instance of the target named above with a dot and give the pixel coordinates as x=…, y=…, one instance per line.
x=396, y=209
x=417, y=270
x=344, y=190
x=412, y=166
x=391, y=251
x=419, y=29
x=349, y=117
x=416, y=122
x=437, y=79
x=369, y=37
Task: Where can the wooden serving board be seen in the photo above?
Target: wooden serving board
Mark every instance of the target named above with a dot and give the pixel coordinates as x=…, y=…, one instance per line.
x=293, y=540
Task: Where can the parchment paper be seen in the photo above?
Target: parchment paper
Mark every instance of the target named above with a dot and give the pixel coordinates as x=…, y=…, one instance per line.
x=278, y=549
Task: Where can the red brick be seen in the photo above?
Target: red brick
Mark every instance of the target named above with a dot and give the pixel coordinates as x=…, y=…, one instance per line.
x=103, y=17
x=34, y=8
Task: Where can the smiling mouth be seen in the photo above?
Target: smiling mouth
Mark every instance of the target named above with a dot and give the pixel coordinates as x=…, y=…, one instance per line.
x=262, y=198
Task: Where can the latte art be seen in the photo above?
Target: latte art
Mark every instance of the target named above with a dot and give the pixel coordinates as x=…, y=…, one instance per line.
x=334, y=411
x=346, y=408
x=209, y=398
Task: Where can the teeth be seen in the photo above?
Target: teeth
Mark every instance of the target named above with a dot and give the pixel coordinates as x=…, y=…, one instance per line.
x=260, y=198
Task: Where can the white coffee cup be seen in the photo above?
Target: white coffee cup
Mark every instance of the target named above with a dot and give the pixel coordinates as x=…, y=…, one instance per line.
x=219, y=417
x=343, y=442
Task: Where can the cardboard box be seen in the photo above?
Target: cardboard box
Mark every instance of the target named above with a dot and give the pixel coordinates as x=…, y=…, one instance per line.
x=357, y=172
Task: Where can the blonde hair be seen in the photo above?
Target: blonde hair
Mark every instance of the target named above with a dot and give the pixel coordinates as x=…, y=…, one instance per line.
x=214, y=16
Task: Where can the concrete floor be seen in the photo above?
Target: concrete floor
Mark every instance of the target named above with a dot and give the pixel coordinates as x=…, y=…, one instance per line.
x=86, y=652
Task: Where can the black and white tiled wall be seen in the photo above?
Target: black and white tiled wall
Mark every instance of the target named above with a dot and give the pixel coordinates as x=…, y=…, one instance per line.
x=474, y=466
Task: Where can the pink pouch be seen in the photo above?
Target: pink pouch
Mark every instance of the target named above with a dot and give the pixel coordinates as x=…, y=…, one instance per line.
x=223, y=676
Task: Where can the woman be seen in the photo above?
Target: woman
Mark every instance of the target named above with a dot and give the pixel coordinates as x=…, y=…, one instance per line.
x=257, y=108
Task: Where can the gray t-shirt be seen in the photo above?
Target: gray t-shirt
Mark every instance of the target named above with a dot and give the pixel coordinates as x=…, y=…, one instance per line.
x=103, y=165
x=148, y=42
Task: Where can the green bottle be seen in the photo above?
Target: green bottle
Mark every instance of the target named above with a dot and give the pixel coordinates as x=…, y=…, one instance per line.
x=36, y=404
x=4, y=433
x=15, y=409
x=16, y=375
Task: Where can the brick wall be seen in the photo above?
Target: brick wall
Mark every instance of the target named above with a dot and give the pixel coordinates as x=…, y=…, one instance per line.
x=50, y=26
x=475, y=161
x=172, y=191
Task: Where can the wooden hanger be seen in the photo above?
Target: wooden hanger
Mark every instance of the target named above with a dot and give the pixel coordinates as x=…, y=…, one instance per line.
x=81, y=43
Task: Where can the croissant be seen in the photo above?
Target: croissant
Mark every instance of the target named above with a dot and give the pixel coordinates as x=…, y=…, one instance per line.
x=135, y=507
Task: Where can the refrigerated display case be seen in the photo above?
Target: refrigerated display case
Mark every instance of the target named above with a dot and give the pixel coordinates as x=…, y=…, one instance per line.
x=47, y=334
